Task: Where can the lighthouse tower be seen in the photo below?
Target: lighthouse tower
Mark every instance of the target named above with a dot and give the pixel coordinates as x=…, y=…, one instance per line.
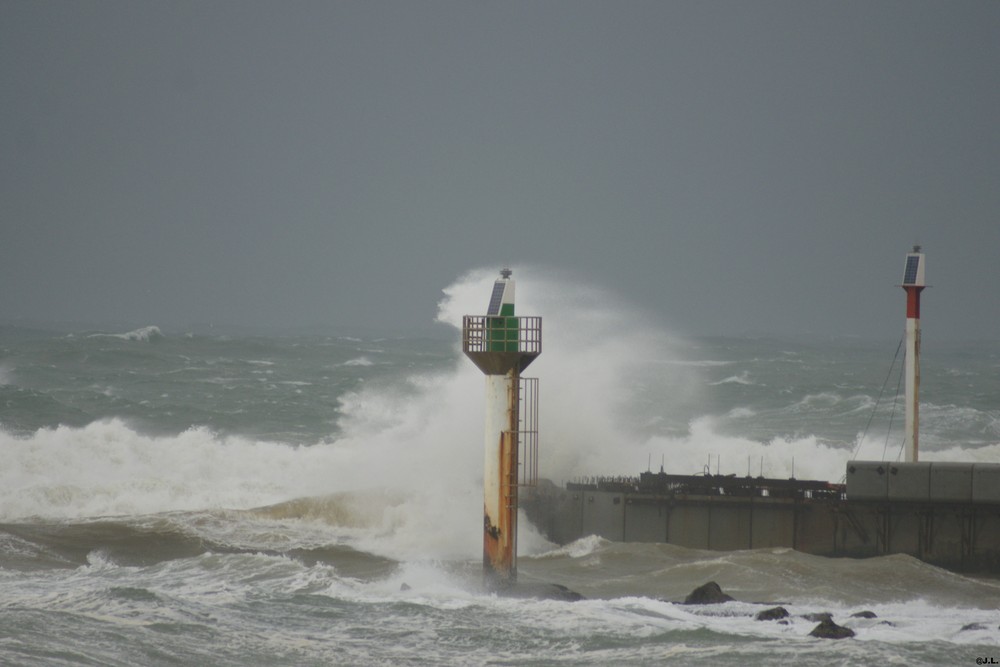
x=913, y=283
x=502, y=345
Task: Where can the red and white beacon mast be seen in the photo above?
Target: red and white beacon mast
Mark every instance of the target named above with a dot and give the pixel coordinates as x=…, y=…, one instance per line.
x=914, y=284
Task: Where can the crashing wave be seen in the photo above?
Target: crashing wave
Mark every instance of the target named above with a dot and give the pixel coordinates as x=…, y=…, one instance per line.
x=743, y=378
x=144, y=334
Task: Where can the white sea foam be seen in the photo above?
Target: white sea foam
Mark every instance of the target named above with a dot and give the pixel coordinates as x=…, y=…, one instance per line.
x=742, y=378
x=802, y=457
x=577, y=548
x=984, y=454
x=404, y=439
x=107, y=468
x=359, y=361
x=698, y=363
x=876, y=446
x=812, y=401
x=144, y=334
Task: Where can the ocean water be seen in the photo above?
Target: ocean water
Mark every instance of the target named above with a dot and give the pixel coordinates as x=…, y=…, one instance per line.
x=175, y=498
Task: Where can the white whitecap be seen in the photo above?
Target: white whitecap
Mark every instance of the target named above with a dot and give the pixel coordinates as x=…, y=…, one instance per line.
x=742, y=378
x=143, y=334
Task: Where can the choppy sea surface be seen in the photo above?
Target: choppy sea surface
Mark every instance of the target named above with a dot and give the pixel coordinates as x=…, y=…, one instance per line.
x=175, y=498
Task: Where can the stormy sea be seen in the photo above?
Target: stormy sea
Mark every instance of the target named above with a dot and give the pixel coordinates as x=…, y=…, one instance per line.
x=170, y=497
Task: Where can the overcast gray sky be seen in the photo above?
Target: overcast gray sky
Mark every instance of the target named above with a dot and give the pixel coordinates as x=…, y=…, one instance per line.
x=729, y=166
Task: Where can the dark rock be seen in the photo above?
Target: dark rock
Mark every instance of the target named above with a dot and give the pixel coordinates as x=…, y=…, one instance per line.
x=818, y=617
x=973, y=626
x=772, y=614
x=540, y=591
x=709, y=593
x=404, y=586
x=560, y=592
x=830, y=630
x=864, y=614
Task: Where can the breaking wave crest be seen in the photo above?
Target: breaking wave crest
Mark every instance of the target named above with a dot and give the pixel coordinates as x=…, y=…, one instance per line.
x=144, y=334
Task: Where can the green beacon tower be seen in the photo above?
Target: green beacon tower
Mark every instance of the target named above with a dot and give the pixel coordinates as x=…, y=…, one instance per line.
x=502, y=345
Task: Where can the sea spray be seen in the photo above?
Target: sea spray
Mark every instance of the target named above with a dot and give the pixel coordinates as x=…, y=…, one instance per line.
x=108, y=468
x=595, y=369
x=603, y=360
x=143, y=334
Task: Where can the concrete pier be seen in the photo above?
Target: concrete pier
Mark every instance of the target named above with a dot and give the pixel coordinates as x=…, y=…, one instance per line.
x=728, y=513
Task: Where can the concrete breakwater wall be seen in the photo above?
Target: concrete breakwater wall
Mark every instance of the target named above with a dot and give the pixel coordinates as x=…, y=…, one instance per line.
x=726, y=513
